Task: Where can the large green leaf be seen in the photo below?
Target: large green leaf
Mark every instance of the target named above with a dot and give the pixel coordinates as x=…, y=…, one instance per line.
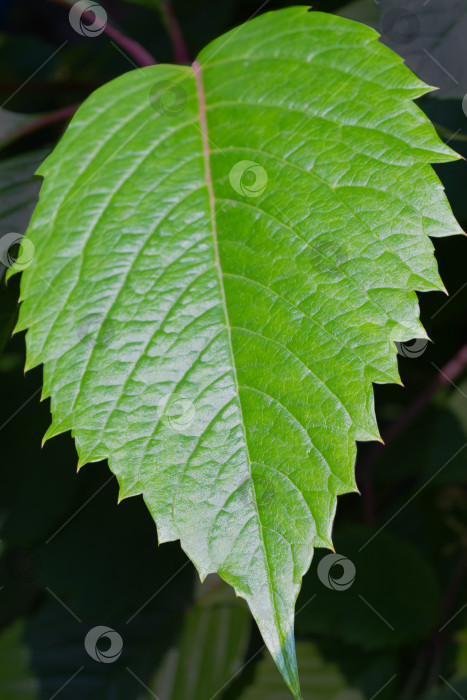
x=225, y=254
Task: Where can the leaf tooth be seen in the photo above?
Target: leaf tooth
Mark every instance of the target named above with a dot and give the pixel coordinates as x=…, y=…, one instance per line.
x=10, y=272
x=54, y=429
x=362, y=435
x=82, y=461
x=124, y=489
x=22, y=324
x=31, y=362
x=45, y=393
x=327, y=542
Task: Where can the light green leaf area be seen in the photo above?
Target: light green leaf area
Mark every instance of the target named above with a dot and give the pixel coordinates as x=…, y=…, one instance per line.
x=211, y=649
x=17, y=679
x=225, y=255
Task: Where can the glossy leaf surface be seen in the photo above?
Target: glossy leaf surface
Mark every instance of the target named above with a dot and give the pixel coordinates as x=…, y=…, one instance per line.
x=220, y=277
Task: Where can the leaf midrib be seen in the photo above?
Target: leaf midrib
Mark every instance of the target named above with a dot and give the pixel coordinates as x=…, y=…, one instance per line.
x=212, y=202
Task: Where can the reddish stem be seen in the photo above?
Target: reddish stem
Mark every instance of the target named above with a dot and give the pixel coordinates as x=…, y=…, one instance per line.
x=43, y=121
x=133, y=48
x=434, y=645
x=178, y=42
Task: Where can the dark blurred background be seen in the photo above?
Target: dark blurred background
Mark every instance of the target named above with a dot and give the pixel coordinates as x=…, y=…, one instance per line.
x=390, y=624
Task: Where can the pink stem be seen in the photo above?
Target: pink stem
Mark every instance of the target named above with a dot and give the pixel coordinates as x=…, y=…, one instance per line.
x=133, y=48
x=41, y=122
x=175, y=32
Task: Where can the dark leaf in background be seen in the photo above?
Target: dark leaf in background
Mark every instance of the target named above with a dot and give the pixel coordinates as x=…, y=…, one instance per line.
x=428, y=35
x=388, y=597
